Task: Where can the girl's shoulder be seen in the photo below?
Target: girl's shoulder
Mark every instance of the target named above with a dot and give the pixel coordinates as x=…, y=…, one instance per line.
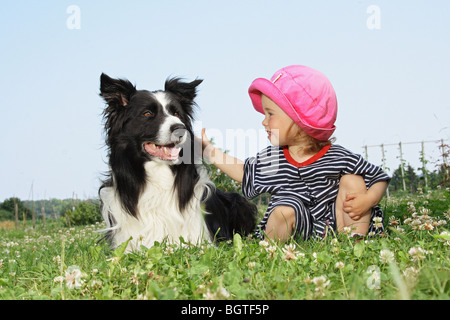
x=340, y=151
x=270, y=151
x=270, y=154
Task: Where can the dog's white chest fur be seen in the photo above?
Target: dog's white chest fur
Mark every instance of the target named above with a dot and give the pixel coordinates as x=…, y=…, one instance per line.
x=159, y=216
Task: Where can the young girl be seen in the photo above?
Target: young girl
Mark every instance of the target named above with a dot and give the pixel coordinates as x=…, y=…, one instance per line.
x=314, y=185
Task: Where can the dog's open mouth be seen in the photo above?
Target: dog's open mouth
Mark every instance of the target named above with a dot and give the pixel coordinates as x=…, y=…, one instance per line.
x=168, y=152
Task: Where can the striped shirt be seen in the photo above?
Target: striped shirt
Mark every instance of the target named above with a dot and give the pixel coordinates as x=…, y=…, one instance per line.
x=310, y=187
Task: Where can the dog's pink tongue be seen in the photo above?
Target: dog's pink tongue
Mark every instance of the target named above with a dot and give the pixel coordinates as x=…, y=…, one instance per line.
x=173, y=152
x=164, y=153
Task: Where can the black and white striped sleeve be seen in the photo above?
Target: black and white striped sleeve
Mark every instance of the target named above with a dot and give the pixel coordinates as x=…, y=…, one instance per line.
x=248, y=181
x=370, y=172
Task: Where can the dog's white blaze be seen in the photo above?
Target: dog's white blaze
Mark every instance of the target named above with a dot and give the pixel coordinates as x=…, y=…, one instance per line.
x=159, y=216
x=165, y=136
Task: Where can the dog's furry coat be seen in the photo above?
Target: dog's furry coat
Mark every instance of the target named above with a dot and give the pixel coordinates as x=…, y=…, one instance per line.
x=157, y=184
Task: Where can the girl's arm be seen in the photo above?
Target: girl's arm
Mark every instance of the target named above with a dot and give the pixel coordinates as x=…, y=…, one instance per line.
x=231, y=166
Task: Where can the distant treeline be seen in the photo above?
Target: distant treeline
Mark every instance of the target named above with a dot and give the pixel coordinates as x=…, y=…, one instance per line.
x=53, y=208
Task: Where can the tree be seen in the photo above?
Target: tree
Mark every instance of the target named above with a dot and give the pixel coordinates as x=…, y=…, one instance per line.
x=411, y=179
x=87, y=212
x=8, y=205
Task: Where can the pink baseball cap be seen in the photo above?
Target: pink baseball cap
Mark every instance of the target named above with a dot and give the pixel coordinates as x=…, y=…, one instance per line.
x=306, y=96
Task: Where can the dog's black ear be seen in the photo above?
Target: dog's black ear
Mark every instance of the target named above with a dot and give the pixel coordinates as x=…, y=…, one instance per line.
x=116, y=92
x=185, y=90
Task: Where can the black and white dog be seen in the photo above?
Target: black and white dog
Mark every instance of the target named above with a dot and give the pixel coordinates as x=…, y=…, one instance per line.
x=157, y=188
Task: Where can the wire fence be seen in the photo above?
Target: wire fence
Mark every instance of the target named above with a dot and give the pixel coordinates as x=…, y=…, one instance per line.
x=443, y=155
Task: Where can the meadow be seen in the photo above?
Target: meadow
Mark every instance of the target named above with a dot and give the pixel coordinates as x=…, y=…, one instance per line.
x=410, y=261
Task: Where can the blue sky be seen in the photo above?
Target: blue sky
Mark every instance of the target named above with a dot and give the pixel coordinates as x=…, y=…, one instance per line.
x=392, y=82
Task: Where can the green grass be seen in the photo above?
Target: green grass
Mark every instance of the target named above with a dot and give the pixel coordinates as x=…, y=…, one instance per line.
x=409, y=262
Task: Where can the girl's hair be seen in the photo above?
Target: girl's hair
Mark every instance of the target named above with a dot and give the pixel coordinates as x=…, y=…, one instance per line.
x=311, y=145
x=315, y=145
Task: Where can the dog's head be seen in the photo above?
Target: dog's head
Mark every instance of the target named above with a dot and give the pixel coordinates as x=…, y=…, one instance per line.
x=155, y=123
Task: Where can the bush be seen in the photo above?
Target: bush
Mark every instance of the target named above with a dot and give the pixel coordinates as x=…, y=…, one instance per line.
x=87, y=212
x=7, y=209
x=6, y=215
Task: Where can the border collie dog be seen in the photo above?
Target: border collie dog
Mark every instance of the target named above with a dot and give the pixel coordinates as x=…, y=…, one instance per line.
x=157, y=187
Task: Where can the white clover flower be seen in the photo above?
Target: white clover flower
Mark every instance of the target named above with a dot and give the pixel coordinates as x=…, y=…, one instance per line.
x=424, y=211
x=447, y=214
x=169, y=250
x=209, y=295
x=264, y=243
x=386, y=256
x=113, y=259
x=411, y=273
x=73, y=277
x=400, y=230
x=57, y=259
x=443, y=233
x=377, y=222
x=416, y=223
x=134, y=279
x=411, y=208
x=272, y=250
x=221, y=293
x=346, y=230
x=289, y=256
x=393, y=221
x=428, y=226
x=290, y=253
x=321, y=283
x=417, y=254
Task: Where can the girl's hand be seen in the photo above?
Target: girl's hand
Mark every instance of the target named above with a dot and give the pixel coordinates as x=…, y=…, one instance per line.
x=231, y=166
x=356, y=204
x=207, y=148
x=205, y=140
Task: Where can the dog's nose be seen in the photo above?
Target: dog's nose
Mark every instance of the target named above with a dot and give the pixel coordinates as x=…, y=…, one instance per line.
x=178, y=127
x=178, y=131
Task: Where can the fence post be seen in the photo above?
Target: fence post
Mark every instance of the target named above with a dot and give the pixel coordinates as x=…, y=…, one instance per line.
x=53, y=210
x=43, y=213
x=383, y=159
x=16, y=214
x=424, y=168
x=444, y=157
x=444, y=162
x=445, y=153
x=402, y=166
x=33, y=215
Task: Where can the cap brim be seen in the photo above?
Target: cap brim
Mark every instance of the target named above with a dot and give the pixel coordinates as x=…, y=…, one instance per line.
x=263, y=86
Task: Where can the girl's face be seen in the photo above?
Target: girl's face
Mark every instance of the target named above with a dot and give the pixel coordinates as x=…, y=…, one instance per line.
x=281, y=129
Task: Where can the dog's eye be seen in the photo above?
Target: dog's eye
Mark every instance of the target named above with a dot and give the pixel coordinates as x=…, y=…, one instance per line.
x=148, y=114
x=176, y=114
